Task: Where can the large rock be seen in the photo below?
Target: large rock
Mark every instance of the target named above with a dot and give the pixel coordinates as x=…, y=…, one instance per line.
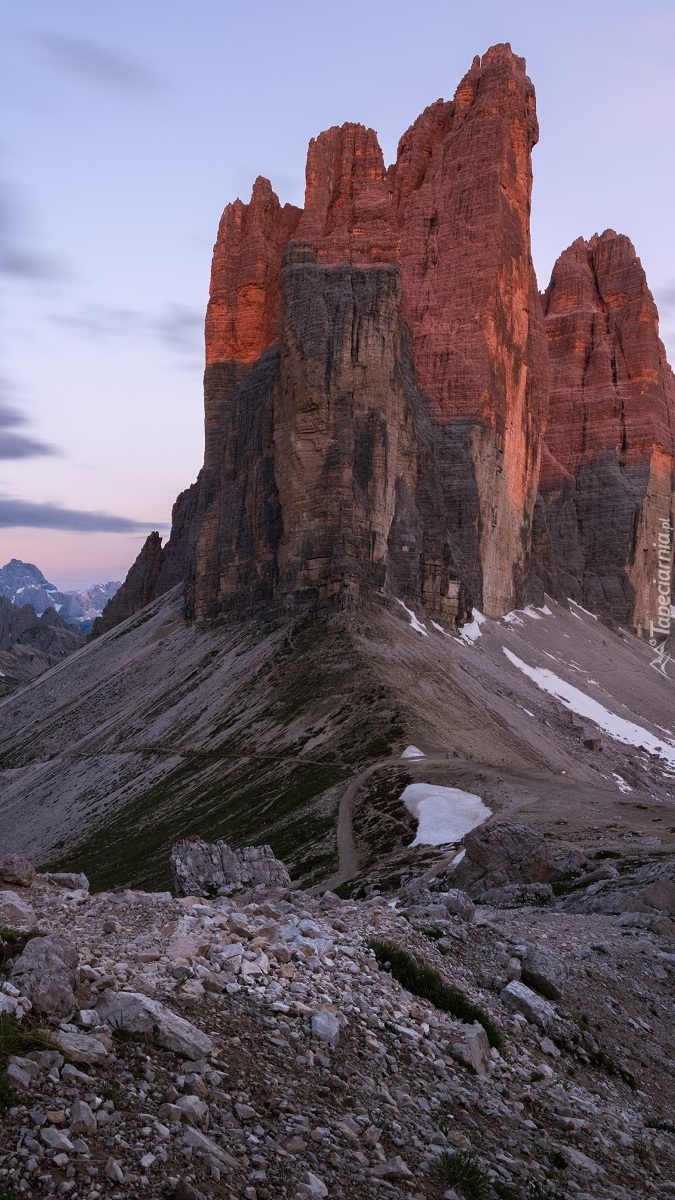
x=208, y=869
x=16, y=871
x=15, y=914
x=543, y=970
x=500, y=853
x=472, y=1048
x=649, y=890
x=519, y=998
x=136, y=1013
x=45, y=972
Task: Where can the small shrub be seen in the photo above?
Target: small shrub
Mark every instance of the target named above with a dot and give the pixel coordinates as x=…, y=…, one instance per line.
x=463, y=1170
x=426, y=982
x=8, y=935
x=112, y=1091
x=21, y=1038
x=662, y=1126
x=602, y=1059
x=8, y=1098
x=558, y=1160
x=433, y=932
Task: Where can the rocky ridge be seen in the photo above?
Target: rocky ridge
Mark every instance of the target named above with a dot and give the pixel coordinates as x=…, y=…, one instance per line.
x=251, y=1045
x=31, y=644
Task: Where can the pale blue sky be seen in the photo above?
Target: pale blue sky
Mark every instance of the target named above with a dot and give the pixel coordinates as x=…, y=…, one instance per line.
x=127, y=126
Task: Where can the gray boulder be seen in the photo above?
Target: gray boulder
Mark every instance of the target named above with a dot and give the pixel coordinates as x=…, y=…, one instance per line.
x=515, y=895
x=458, y=903
x=136, y=1013
x=649, y=890
x=542, y=970
x=45, y=972
x=519, y=998
x=500, y=853
x=472, y=1048
x=15, y=914
x=16, y=871
x=208, y=869
x=67, y=879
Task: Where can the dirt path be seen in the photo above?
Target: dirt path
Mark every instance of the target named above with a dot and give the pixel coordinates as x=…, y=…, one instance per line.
x=348, y=863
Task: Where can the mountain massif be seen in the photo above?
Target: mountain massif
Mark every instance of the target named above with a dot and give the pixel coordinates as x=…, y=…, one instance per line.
x=23, y=583
x=405, y=443
x=392, y=409
x=31, y=644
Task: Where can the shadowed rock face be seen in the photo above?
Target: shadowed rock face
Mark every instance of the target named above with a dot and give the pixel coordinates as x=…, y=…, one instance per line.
x=377, y=387
x=462, y=185
x=340, y=497
x=608, y=477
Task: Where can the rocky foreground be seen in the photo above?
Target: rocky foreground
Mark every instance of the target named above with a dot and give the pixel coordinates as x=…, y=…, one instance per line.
x=254, y=1044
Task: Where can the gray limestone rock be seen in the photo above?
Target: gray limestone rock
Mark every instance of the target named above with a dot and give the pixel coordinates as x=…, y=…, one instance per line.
x=543, y=970
x=136, y=1013
x=500, y=853
x=15, y=914
x=45, y=972
x=521, y=999
x=16, y=871
x=207, y=869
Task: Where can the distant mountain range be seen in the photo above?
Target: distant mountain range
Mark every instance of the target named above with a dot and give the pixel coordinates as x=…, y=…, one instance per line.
x=23, y=583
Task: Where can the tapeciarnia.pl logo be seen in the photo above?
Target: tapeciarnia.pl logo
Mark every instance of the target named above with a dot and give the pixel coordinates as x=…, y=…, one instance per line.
x=659, y=630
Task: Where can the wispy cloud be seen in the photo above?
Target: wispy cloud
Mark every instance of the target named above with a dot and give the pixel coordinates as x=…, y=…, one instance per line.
x=96, y=64
x=17, y=257
x=13, y=442
x=25, y=513
x=177, y=327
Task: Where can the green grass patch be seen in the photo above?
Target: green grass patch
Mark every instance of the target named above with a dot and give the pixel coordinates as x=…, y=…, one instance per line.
x=427, y=983
x=463, y=1170
x=602, y=1059
x=8, y=1098
x=662, y=1126
x=20, y=1037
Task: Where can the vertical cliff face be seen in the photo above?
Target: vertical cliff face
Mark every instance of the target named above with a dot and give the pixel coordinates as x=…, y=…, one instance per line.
x=338, y=500
x=462, y=185
x=609, y=478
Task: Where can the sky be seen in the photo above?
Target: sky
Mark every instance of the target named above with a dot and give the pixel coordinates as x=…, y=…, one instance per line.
x=126, y=127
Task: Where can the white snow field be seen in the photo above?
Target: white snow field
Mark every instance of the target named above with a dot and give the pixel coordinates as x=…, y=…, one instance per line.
x=413, y=752
x=444, y=814
x=585, y=706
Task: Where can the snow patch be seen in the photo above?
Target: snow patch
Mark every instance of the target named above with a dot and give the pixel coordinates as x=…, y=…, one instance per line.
x=470, y=633
x=581, y=608
x=578, y=702
x=512, y=618
x=413, y=752
x=417, y=625
x=444, y=814
x=621, y=782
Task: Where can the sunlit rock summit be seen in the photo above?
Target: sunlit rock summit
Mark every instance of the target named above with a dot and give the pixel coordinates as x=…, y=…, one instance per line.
x=392, y=410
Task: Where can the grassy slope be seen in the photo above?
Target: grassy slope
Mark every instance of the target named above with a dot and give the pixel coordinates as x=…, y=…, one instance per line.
x=316, y=713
